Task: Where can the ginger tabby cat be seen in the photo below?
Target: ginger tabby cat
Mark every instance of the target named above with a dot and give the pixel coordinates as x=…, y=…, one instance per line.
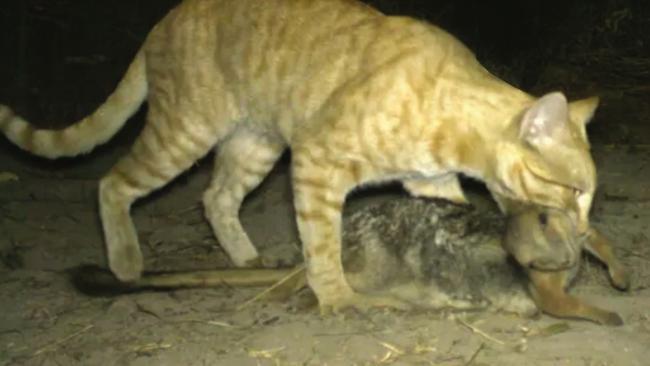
x=358, y=97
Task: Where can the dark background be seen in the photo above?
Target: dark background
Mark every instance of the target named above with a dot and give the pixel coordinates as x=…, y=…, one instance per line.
x=61, y=58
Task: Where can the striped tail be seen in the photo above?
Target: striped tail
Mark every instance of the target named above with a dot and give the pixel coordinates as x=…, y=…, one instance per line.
x=91, y=131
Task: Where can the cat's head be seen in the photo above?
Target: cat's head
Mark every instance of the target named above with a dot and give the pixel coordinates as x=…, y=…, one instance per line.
x=546, y=161
x=542, y=238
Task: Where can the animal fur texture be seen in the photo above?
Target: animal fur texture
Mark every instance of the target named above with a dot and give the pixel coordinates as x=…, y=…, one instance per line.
x=453, y=259
x=359, y=97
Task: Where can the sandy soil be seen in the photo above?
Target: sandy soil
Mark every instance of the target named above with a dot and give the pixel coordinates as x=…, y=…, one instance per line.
x=48, y=225
x=65, y=56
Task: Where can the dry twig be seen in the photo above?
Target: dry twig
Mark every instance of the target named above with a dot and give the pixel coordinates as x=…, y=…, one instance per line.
x=297, y=271
x=475, y=354
x=481, y=333
x=63, y=340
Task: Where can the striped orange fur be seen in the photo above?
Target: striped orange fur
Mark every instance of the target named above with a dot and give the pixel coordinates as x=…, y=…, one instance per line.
x=358, y=96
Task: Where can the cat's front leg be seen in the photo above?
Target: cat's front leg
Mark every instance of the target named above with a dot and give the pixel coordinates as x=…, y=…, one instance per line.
x=446, y=186
x=319, y=193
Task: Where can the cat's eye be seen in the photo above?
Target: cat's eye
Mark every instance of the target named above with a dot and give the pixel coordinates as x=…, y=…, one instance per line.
x=543, y=218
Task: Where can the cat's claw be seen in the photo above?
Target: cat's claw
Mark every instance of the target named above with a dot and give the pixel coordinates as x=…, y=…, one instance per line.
x=363, y=303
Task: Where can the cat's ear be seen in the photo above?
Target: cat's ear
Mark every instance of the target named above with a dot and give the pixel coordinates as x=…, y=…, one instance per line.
x=545, y=120
x=582, y=111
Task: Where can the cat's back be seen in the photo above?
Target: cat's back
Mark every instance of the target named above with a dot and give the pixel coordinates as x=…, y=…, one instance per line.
x=271, y=25
x=275, y=54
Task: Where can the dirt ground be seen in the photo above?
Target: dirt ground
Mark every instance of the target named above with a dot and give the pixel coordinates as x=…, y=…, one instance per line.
x=49, y=224
x=65, y=56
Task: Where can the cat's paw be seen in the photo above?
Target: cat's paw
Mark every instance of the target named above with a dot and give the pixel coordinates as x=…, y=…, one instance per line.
x=267, y=261
x=361, y=302
x=275, y=258
x=126, y=264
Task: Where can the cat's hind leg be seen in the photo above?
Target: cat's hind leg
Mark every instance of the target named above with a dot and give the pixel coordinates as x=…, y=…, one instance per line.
x=241, y=163
x=168, y=145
